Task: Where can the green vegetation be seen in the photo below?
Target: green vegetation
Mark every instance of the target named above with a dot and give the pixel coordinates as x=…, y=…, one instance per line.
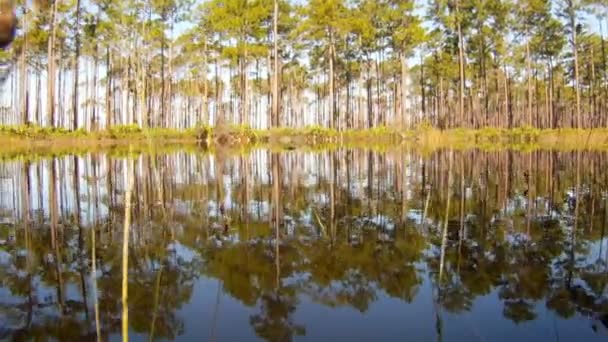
x=33, y=142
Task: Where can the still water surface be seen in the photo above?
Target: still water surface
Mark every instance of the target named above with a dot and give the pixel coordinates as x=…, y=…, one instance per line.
x=335, y=245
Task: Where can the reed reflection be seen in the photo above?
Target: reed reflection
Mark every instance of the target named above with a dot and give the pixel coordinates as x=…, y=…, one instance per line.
x=279, y=232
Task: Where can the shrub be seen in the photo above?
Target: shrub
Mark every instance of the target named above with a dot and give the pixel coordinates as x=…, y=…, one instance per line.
x=121, y=131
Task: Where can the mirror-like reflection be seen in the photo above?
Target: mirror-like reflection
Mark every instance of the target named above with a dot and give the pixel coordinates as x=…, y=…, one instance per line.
x=342, y=244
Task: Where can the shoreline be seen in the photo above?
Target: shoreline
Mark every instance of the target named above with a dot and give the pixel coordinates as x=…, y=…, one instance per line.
x=17, y=141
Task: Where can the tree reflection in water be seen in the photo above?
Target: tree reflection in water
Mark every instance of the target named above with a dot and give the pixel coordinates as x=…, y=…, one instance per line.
x=286, y=232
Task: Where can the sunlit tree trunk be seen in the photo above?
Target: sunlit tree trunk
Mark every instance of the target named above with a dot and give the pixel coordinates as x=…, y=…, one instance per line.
x=76, y=66
x=594, y=119
x=169, y=99
x=332, y=100
x=604, y=90
x=51, y=67
x=108, y=111
x=23, y=77
x=571, y=13
x=204, y=112
x=275, y=76
x=529, y=84
x=460, y=65
x=162, y=80
x=404, y=114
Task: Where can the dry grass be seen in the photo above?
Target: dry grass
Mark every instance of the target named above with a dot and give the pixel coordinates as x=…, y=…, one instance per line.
x=518, y=139
x=424, y=141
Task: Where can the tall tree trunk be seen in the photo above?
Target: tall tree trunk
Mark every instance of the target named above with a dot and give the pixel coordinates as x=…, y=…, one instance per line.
x=216, y=90
x=536, y=98
x=94, y=120
x=141, y=78
x=76, y=65
x=108, y=89
x=509, y=99
x=551, y=104
x=162, y=80
x=275, y=76
x=594, y=119
x=404, y=113
x=370, y=108
x=604, y=90
x=460, y=65
x=484, y=82
x=51, y=67
x=422, y=90
x=60, y=97
x=349, y=111
x=379, y=113
x=360, y=114
x=332, y=100
x=124, y=93
x=506, y=99
x=169, y=107
x=38, y=110
x=245, y=96
x=529, y=84
x=218, y=95
x=573, y=33
x=440, y=105
x=23, y=79
x=204, y=112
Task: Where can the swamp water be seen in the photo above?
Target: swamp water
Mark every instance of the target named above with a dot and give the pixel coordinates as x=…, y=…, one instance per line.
x=299, y=245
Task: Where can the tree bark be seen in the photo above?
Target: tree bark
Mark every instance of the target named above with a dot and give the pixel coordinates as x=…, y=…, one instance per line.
x=204, y=112
x=604, y=98
x=23, y=79
x=529, y=84
x=76, y=66
x=162, y=79
x=94, y=120
x=332, y=103
x=275, y=76
x=108, y=89
x=245, y=105
x=404, y=113
x=51, y=68
x=572, y=21
x=460, y=65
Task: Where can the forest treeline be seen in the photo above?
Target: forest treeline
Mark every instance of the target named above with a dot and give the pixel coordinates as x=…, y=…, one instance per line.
x=342, y=64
